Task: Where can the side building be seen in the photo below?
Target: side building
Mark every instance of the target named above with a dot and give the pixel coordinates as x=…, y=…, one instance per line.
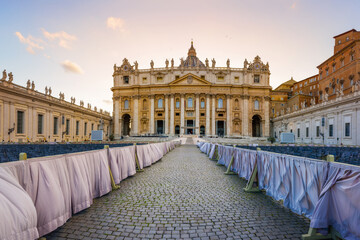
x=192, y=98
x=327, y=110
x=27, y=115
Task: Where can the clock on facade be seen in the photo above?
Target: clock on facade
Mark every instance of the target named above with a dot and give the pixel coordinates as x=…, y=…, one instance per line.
x=125, y=67
x=257, y=66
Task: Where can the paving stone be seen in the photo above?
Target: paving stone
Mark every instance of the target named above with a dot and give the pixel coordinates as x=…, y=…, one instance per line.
x=183, y=196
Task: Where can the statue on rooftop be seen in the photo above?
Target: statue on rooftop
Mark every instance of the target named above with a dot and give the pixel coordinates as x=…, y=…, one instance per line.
x=46, y=90
x=181, y=62
x=28, y=84
x=4, y=75
x=50, y=91
x=152, y=64
x=136, y=65
x=228, y=63
x=245, y=63
x=114, y=67
x=32, y=85
x=207, y=62
x=10, y=77
x=167, y=63
x=213, y=63
x=172, y=63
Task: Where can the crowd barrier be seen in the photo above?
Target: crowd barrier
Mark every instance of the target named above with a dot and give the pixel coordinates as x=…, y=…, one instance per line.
x=10, y=152
x=40, y=194
x=326, y=192
x=349, y=155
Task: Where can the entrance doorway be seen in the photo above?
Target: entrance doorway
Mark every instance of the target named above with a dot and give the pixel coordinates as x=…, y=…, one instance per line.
x=202, y=130
x=256, y=126
x=126, y=125
x=160, y=126
x=177, y=129
x=190, y=127
x=220, y=128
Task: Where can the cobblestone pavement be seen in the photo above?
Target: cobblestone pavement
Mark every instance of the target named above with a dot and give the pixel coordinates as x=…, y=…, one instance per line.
x=184, y=196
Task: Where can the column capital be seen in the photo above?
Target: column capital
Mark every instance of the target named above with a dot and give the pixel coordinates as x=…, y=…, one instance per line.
x=116, y=98
x=135, y=97
x=267, y=98
x=245, y=97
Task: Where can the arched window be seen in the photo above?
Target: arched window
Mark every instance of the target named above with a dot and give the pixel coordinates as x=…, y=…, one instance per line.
x=144, y=104
x=190, y=102
x=202, y=103
x=160, y=103
x=220, y=103
x=177, y=103
x=126, y=104
x=256, y=105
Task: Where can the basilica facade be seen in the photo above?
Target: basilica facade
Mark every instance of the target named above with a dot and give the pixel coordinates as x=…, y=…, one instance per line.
x=193, y=98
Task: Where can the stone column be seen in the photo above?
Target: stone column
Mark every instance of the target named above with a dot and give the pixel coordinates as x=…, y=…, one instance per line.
x=245, y=115
x=117, y=133
x=172, y=123
x=207, y=115
x=213, y=108
x=135, y=115
x=228, y=115
x=166, y=113
x=267, y=118
x=12, y=121
x=197, y=115
x=152, y=110
x=182, y=114
x=6, y=122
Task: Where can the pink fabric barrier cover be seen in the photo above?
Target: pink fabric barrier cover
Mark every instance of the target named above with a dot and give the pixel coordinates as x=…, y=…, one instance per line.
x=18, y=217
x=144, y=155
x=122, y=162
x=50, y=191
x=89, y=176
x=339, y=203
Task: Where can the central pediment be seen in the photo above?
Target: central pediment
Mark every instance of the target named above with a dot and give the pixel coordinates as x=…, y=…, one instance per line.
x=190, y=79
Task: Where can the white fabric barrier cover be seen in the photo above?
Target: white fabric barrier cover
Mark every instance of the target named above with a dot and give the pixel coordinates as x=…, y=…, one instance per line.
x=122, y=162
x=339, y=203
x=212, y=151
x=226, y=155
x=89, y=176
x=295, y=180
x=203, y=147
x=244, y=162
x=18, y=214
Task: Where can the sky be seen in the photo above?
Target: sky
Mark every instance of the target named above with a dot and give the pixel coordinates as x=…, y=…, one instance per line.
x=72, y=46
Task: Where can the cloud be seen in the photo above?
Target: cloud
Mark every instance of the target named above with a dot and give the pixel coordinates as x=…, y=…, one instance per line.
x=115, y=23
x=71, y=67
x=108, y=101
x=63, y=38
x=31, y=42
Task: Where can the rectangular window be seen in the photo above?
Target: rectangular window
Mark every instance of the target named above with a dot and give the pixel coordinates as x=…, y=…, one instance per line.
x=177, y=76
x=298, y=132
x=256, y=78
x=331, y=130
x=77, y=127
x=307, y=132
x=177, y=104
x=40, y=123
x=220, y=78
x=347, y=129
x=202, y=114
x=67, y=126
x=144, y=80
x=202, y=76
x=317, y=131
x=92, y=126
x=85, y=129
x=177, y=114
x=159, y=79
x=236, y=79
x=126, y=79
x=20, y=122
x=98, y=127
x=56, y=125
